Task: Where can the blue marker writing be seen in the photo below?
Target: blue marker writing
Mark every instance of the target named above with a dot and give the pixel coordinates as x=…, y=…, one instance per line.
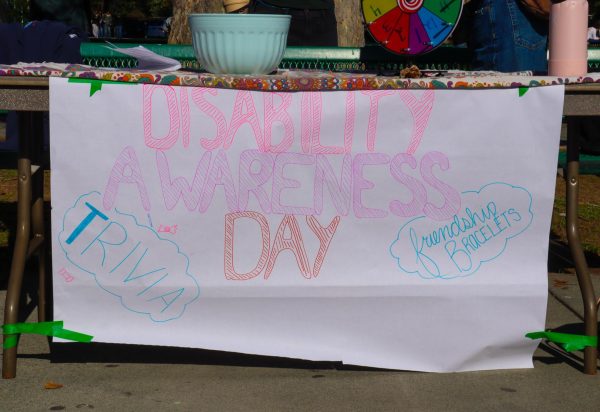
x=85, y=222
x=127, y=259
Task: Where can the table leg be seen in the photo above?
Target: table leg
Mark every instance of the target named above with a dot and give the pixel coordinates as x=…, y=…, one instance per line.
x=590, y=308
x=22, y=236
x=37, y=243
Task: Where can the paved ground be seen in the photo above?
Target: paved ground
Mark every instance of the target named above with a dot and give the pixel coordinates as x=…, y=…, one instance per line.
x=133, y=379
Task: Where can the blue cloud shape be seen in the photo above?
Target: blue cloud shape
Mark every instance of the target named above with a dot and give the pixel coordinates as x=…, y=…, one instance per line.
x=477, y=234
x=129, y=260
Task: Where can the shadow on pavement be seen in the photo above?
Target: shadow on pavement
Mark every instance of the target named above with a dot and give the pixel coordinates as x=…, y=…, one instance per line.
x=560, y=261
x=557, y=354
x=112, y=354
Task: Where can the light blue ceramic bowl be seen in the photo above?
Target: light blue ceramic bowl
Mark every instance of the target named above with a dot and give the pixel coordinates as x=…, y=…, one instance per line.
x=239, y=43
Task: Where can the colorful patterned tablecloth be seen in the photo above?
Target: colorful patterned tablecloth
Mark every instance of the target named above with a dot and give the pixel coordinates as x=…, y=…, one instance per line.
x=292, y=80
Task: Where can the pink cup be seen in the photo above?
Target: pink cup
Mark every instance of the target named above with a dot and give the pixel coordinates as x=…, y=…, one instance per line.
x=568, y=38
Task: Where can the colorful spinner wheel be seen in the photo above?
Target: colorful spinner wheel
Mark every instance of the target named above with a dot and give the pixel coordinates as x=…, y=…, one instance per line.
x=411, y=26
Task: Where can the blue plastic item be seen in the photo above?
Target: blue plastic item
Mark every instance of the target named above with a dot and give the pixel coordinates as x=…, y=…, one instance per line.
x=239, y=43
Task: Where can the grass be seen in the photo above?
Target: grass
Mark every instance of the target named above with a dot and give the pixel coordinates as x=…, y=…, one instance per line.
x=588, y=213
x=8, y=182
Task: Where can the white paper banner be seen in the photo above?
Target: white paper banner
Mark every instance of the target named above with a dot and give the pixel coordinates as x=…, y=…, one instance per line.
x=402, y=229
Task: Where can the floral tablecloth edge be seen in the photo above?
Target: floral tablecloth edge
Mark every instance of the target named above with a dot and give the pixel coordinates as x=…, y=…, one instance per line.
x=297, y=80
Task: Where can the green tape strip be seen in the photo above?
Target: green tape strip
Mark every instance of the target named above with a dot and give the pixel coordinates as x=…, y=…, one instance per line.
x=523, y=90
x=568, y=341
x=95, y=84
x=41, y=328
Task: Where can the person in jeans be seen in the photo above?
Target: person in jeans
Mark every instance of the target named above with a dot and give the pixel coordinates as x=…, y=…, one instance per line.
x=313, y=21
x=506, y=37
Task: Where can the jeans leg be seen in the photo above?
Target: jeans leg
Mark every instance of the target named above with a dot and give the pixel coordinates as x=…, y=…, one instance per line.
x=530, y=38
x=506, y=39
x=483, y=38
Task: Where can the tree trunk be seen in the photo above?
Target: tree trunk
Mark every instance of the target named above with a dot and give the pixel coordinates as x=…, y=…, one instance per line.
x=348, y=14
x=350, y=23
x=180, y=30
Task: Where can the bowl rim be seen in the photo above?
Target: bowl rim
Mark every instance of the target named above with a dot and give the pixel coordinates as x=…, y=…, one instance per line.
x=239, y=15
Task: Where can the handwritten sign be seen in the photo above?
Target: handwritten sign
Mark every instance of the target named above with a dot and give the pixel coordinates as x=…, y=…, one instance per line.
x=401, y=229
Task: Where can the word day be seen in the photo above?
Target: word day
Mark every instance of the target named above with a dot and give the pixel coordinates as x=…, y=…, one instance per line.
x=268, y=255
